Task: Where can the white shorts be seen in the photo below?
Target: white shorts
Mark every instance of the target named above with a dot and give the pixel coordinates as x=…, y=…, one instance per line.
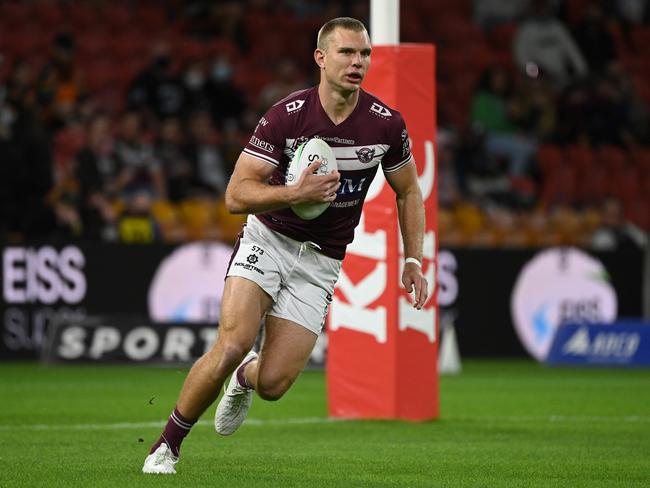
x=299, y=279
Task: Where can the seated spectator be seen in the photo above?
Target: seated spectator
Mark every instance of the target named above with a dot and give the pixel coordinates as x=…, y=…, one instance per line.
x=491, y=116
x=176, y=167
x=287, y=79
x=543, y=43
x=137, y=167
x=488, y=13
x=226, y=100
x=615, y=232
x=633, y=106
x=137, y=225
x=595, y=40
x=195, y=85
x=156, y=89
x=209, y=168
x=61, y=84
x=26, y=176
x=95, y=171
x=534, y=108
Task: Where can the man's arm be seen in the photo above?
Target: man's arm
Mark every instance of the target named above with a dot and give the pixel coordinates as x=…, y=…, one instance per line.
x=410, y=211
x=249, y=192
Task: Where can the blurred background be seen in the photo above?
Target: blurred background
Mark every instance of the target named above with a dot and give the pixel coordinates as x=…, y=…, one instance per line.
x=121, y=121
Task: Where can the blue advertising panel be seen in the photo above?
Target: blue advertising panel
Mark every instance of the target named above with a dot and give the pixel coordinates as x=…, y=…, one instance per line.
x=621, y=343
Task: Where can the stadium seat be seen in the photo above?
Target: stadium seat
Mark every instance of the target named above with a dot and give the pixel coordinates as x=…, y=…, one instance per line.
x=579, y=157
x=197, y=217
x=611, y=157
x=549, y=159
x=229, y=224
x=500, y=37
x=560, y=186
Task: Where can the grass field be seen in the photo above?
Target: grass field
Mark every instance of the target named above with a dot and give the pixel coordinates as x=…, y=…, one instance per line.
x=503, y=423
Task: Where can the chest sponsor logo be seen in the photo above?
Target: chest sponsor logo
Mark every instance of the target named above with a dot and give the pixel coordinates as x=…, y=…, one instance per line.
x=380, y=110
x=351, y=185
x=295, y=105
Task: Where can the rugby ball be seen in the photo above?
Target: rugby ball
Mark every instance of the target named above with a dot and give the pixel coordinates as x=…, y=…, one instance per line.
x=307, y=153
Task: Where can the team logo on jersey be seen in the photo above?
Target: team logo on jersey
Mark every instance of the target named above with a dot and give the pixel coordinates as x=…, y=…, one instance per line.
x=380, y=110
x=298, y=142
x=365, y=154
x=295, y=105
x=252, y=258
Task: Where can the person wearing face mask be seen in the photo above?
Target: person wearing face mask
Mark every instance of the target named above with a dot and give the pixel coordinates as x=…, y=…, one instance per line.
x=195, y=84
x=226, y=100
x=156, y=88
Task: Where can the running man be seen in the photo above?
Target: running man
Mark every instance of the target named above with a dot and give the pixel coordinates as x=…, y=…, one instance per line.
x=283, y=268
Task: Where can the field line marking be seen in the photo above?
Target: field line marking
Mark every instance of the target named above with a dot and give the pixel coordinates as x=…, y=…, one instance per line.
x=554, y=418
x=161, y=423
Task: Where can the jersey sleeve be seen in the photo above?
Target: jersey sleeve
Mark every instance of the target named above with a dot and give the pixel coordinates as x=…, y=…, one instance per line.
x=399, y=152
x=267, y=142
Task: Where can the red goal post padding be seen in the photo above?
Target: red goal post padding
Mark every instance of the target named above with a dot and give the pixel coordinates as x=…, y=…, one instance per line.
x=382, y=354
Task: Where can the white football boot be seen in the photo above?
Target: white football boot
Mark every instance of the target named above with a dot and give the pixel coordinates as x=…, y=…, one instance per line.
x=162, y=461
x=234, y=404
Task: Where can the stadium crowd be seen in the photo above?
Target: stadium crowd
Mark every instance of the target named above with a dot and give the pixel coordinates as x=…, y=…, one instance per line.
x=122, y=120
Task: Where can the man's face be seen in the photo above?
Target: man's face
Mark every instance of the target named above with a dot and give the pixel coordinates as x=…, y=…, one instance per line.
x=346, y=59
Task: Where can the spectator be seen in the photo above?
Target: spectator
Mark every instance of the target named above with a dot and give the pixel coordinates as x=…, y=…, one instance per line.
x=156, y=89
x=176, y=167
x=226, y=99
x=95, y=172
x=26, y=176
x=287, y=79
x=595, y=40
x=195, y=85
x=61, y=84
x=491, y=116
x=211, y=173
x=534, y=108
x=137, y=225
x=634, y=107
x=543, y=43
x=488, y=13
x=138, y=169
x=615, y=233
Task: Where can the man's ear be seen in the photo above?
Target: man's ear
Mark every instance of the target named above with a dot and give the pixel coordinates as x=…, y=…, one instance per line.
x=319, y=57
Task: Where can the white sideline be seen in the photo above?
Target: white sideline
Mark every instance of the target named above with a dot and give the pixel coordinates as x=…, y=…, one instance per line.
x=160, y=424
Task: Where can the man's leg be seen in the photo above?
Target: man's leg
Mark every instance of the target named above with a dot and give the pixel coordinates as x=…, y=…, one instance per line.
x=285, y=352
x=244, y=304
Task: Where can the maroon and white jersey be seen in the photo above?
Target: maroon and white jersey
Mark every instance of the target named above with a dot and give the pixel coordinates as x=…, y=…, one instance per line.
x=373, y=134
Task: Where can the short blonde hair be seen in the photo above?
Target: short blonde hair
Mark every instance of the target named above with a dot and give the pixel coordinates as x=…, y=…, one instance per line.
x=340, y=22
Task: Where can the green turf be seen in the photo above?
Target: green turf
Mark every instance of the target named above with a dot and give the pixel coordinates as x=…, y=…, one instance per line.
x=503, y=423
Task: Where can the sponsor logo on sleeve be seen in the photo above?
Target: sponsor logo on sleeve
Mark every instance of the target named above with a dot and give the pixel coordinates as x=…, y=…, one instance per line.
x=263, y=122
x=406, y=143
x=263, y=145
x=380, y=110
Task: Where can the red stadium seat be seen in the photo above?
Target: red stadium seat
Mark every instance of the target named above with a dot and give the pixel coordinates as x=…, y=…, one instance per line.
x=549, y=159
x=560, y=186
x=580, y=157
x=612, y=158
x=500, y=37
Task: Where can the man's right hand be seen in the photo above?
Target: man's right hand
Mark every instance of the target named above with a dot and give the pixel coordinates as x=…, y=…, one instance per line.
x=315, y=188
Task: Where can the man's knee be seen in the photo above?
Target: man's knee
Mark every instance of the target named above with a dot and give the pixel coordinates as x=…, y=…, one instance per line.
x=232, y=353
x=272, y=389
